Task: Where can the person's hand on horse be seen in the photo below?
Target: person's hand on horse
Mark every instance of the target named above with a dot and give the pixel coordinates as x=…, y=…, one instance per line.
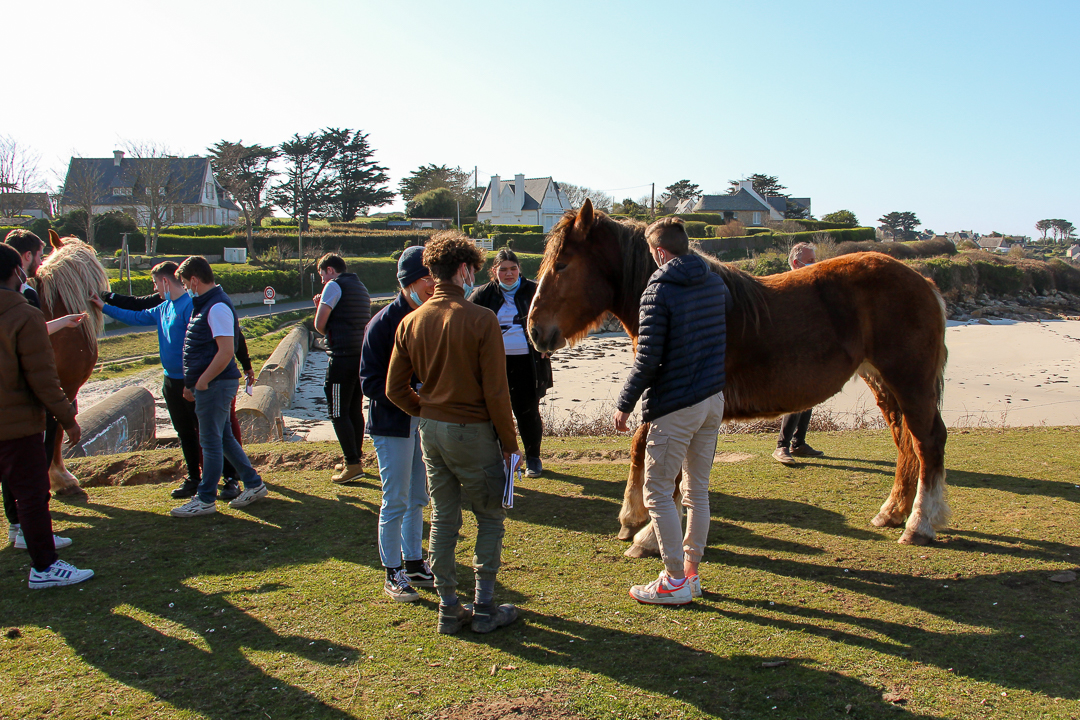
x=74, y=434
x=188, y=395
x=70, y=321
x=97, y=301
x=620, y=419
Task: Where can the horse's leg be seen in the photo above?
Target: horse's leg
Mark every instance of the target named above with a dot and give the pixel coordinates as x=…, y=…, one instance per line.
x=898, y=505
x=930, y=510
x=646, y=542
x=633, y=516
x=61, y=481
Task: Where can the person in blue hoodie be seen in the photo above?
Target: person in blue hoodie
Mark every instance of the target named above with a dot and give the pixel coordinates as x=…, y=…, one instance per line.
x=169, y=309
x=396, y=438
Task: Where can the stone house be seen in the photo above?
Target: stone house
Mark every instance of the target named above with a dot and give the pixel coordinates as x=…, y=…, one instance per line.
x=521, y=201
x=748, y=207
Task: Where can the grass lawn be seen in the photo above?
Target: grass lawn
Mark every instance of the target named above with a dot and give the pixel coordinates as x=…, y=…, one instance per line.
x=120, y=355
x=809, y=612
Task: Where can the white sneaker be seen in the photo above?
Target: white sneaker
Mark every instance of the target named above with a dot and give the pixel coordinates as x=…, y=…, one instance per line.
x=12, y=533
x=694, y=581
x=660, y=592
x=59, y=573
x=249, y=496
x=58, y=542
x=194, y=508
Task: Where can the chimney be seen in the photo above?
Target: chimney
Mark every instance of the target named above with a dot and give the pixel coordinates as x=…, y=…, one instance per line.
x=519, y=191
x=118, y=155
x=496, y=183
x=746, y=185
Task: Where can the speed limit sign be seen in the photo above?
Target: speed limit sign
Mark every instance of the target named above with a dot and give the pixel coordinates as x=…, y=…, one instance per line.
x=269, y=295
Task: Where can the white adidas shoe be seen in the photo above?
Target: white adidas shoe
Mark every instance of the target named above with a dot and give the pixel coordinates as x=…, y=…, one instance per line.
x=58, y=574
x=58, y=542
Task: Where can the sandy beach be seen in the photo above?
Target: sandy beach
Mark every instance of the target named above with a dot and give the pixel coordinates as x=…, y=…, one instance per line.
x=1001, y=374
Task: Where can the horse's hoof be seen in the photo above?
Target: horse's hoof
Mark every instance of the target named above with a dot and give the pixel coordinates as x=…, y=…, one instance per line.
x=628, y=533
x=73, y=492
x=914, y=538
x=885, y=520
x=636, y=551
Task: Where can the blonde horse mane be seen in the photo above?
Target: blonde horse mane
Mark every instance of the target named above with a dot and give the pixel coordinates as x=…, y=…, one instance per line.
x=71, y=274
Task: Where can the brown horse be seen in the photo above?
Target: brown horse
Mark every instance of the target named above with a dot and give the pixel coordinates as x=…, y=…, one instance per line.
x=793, y=341
x=65, y=281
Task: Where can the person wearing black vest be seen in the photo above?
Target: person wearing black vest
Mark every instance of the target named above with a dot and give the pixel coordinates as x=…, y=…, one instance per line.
x=509, y=296
x=210, y=379
x=344, y=308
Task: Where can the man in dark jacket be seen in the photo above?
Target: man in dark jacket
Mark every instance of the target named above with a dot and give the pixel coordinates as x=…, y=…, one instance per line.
x=210, y=377
x=344, y=308
x=396, y=437
x=28, y=384
x=679, y=368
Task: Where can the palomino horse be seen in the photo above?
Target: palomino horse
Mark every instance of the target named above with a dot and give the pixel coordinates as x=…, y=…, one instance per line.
x=793, y=341
x=65, y=281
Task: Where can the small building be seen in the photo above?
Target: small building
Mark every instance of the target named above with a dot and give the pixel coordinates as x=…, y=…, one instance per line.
x=33, y=205
x=197, y=198
x=748, y=207
x=1073, y=253
x=522, y=201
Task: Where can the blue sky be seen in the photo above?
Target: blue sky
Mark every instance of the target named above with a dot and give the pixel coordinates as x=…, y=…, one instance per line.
x=962, y=112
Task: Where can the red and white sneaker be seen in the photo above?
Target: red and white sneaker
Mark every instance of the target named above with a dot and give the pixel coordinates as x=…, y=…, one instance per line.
x=661, y=592
x=694, y=581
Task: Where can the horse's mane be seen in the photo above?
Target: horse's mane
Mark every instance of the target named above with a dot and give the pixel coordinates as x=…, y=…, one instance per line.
x=745, y=290
x=71, y=274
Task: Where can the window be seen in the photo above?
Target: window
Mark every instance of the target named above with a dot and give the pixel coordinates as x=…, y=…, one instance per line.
x=757, y=218
x=209, y=191
x=121, y=192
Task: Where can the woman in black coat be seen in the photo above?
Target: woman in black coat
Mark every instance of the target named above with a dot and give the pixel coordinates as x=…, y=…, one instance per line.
x=509, y=296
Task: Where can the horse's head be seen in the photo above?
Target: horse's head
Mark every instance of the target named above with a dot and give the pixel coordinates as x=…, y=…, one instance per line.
x=583, y=276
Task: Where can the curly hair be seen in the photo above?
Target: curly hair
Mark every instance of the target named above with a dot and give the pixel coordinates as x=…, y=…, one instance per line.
x=446, y=251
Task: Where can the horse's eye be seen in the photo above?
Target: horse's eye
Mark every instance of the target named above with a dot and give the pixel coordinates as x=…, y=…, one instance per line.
x=559, y=267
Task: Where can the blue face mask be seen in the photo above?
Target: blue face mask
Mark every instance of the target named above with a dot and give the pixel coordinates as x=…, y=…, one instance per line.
x=416, y=298
x=511, y=288
x=192, y=294
x=467, y=286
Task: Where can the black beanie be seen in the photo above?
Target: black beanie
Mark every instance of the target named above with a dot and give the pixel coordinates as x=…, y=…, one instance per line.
x=410, y=266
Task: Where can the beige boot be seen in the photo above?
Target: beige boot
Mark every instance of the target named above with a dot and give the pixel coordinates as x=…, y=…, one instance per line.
x=350, y=473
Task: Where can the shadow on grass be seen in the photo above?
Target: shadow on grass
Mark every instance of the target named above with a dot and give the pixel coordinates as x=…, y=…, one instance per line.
x=140, y=622
x=1063, y=489
x=720, y=686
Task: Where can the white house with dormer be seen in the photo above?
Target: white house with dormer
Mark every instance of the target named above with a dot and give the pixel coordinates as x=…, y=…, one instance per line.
x=522, y=201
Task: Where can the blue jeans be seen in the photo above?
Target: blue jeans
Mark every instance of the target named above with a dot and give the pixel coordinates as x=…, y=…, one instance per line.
x=218, y=442
x=404, y=484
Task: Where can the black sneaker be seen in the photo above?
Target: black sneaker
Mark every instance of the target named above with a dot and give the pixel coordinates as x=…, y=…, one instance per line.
x=488, y=617
x=399, y=589
x=419, y=576
x=533, y=467
x=186, y=489
x=229, y=491
x=805, y=450
x=453, y=617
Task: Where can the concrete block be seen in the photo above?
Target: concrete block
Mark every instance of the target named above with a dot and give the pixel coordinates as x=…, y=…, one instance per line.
x=260, y=415
x=123, y=422
x=283, y=368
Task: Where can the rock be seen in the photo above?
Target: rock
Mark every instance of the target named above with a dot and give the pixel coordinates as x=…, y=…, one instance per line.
x=976, y=313
x=1065, y=577
x=984, y=321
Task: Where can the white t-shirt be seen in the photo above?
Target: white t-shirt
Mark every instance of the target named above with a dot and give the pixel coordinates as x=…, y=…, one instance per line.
x=331, y=293
x=513, y=333
x=221, y=320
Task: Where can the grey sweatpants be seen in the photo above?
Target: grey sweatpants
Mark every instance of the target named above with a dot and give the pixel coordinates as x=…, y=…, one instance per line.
x=684, y=439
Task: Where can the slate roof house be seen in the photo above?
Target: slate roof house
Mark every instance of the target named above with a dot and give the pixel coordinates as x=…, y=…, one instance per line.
x=521, y=201
x=747, y=206
x=34, y=205
x=197, y=198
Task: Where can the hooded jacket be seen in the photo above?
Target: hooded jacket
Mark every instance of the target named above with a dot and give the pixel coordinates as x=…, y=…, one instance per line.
x=28, y=381
x=682, y=338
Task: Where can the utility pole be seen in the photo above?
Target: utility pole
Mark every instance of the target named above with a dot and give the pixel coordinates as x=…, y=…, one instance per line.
x=653, y=201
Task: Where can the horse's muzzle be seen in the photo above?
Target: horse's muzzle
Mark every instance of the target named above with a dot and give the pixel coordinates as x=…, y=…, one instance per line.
x=546, y=339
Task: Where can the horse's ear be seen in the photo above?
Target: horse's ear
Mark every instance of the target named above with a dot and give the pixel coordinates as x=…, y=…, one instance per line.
x=54, y=239
x=585, y=218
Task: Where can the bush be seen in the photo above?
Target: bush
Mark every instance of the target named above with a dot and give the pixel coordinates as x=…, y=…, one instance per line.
x=707, y=218
x=695, y=229
x=488, y=228
x=437, y=203
x=522, y=242
x=280, y=222
x=199, y=230
x=826, y=225
x=171, y=244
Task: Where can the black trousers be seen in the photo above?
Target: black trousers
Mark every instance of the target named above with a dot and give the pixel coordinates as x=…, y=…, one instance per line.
x=793, y=429
x=345, y=403
x=52, y=426
x=521, y=376
x=182, y=415
x=24, y=474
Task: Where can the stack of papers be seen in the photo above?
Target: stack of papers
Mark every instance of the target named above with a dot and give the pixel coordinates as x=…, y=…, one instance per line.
x=508, y=487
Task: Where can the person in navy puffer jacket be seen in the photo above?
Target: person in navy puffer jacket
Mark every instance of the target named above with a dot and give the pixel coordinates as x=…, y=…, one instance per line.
x=679, y=372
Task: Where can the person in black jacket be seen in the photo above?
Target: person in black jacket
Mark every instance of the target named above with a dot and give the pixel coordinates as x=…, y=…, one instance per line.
x=344, y=308
x=679, y=369
x=509, y=296
x=396, y=437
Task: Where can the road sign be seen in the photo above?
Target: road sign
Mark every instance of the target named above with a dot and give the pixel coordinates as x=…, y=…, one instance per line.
x=269, y=293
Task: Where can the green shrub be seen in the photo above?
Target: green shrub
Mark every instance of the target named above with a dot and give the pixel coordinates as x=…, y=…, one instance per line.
x=171, y=244
x=199, y=230
x=708, y=218
x=695, y=229
x=527, y=242
x=490, y=228
x=823, y=225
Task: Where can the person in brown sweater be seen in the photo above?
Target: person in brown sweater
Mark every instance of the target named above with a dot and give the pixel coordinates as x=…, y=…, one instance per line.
x=28, y=385
x=455, y=348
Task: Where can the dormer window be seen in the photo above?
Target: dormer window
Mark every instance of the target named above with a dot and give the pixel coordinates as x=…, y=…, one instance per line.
x=121, y=192
x=209, y=191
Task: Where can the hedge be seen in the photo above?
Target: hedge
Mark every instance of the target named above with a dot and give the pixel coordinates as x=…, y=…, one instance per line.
x=822, y=225
x=695, y=228
x=348, y=244
x=522, y=242
x=468, y=229
x=198, y=230
x=764, y=241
